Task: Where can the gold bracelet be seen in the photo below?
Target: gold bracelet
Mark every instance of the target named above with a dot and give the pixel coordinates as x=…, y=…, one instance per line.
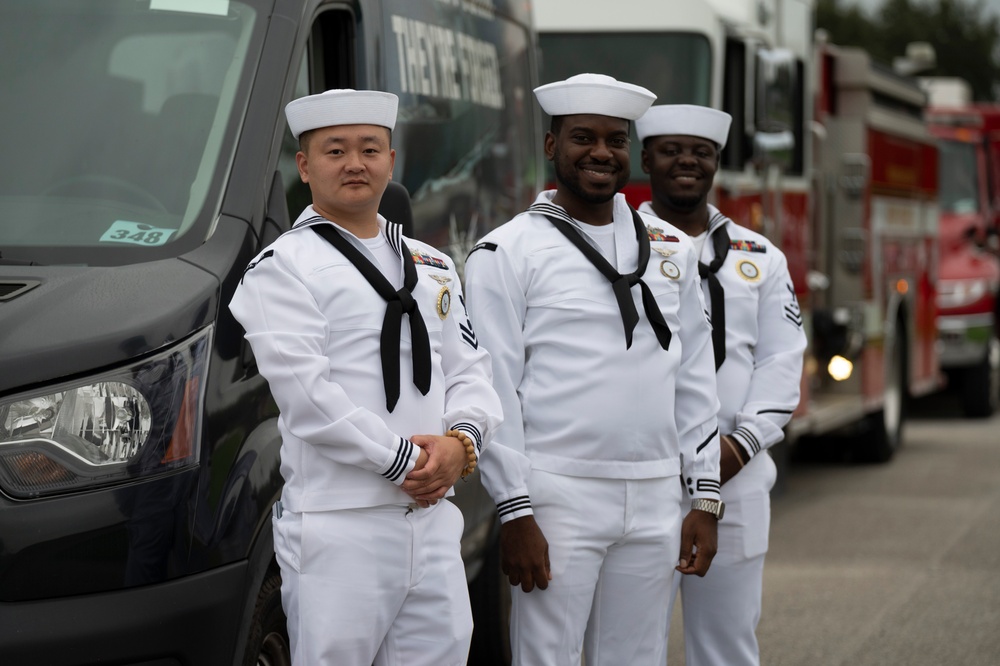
x=470, y=450
x=736, y=453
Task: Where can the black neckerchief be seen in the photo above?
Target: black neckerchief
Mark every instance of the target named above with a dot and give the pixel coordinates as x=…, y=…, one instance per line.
x=621, y=284
x=398, y=303
x=716, y=294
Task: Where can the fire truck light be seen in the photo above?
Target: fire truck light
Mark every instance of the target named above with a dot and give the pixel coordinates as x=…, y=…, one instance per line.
x=902, y=286
x=840, y=368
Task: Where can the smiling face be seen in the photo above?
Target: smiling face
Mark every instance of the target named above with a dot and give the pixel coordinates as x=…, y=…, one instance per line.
x=590, y=155
x=681, y=169
x=347, y=168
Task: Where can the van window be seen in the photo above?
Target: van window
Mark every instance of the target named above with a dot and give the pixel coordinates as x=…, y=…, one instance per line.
x=128, y=169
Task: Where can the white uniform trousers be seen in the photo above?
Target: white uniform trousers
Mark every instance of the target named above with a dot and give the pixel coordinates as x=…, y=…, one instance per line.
x=721, y=610
x=383, y=585
x=607, y=597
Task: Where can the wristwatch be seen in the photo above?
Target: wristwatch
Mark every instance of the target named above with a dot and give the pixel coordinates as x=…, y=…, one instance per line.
x=715, y=507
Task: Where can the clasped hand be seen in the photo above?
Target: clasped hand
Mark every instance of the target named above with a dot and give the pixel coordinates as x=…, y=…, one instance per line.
x=439, y=466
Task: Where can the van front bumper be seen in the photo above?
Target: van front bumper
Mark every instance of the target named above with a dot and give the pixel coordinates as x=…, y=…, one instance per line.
x=192, y=620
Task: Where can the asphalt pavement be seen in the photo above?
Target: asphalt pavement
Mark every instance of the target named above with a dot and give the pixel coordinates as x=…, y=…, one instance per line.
x=897, y=563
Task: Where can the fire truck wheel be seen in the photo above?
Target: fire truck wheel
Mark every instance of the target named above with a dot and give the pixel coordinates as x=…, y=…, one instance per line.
x=981, y=384
x=883, y=430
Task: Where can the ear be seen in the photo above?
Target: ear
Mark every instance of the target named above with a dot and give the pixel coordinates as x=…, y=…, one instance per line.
x=550, y=146
x=392, y=161
x=302, y=162
x=645, y=161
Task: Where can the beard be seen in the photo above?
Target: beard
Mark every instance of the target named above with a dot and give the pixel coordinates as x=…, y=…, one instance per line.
x=682, y=203
x=568, y=177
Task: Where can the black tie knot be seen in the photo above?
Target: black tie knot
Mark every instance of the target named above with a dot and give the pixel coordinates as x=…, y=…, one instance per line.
x=633, y=279
x=406, y=300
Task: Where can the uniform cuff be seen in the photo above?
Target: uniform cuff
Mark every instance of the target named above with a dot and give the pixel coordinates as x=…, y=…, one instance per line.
x=473, y=432
x=514, y=507
x=401, y=462
x=748, y=439
x=702, y=488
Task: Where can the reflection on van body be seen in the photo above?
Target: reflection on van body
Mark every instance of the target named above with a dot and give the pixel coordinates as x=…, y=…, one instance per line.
x=146, y=160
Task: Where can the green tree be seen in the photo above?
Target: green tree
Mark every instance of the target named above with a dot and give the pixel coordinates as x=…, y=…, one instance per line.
x=965, y=37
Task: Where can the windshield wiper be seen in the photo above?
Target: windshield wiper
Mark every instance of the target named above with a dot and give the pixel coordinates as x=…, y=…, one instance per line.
x=17, y=262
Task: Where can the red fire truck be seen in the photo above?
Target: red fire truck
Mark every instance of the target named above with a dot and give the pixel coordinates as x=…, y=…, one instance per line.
x=828, y=155
x=969, y=349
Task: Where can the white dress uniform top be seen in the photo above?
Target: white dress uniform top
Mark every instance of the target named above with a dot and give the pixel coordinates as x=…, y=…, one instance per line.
x=758, y=392
x=576, y=400
x=582, y=409
x=313, y=322
x=366, y=576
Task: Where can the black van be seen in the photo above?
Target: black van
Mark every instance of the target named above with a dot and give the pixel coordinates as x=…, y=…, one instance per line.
x=145, y=161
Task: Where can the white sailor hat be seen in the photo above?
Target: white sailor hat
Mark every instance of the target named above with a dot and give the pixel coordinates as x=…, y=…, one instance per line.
x=686, y=119
x=341, y=107
x=594, y=93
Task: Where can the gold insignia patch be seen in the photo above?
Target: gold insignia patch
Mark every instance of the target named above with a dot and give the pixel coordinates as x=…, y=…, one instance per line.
x=748, y=270
x=670, y=269
x=441, y=279
x=444, y=302
x=665, y=252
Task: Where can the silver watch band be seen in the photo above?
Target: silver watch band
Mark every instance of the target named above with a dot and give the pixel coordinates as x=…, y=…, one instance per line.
x=714, y=507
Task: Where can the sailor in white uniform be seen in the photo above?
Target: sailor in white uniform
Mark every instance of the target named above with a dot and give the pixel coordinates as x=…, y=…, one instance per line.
x=759, y=342
x=602, y=358
x=385, y=400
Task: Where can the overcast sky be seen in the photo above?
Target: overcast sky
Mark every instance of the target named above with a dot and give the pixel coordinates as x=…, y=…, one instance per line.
x=991, y=5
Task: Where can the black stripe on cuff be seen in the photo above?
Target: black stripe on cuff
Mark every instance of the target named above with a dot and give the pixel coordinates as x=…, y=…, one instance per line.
x=472, y=431
x=748, y=437
x=402, y=458
x=513, y=505
x=708, y=486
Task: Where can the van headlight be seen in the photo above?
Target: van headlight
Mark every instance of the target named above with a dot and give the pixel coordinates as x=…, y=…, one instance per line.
x=134, y=422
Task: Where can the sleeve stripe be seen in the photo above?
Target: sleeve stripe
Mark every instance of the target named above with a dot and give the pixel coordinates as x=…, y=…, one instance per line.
x=402, y=457
x=706, y=442
x=776, y=411
x=514, y=504
x=708, y=486
x=749, y=438
x=473, y=432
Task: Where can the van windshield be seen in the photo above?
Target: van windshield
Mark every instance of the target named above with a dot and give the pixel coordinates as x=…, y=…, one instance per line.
x=676, y=67
x=112, y=122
